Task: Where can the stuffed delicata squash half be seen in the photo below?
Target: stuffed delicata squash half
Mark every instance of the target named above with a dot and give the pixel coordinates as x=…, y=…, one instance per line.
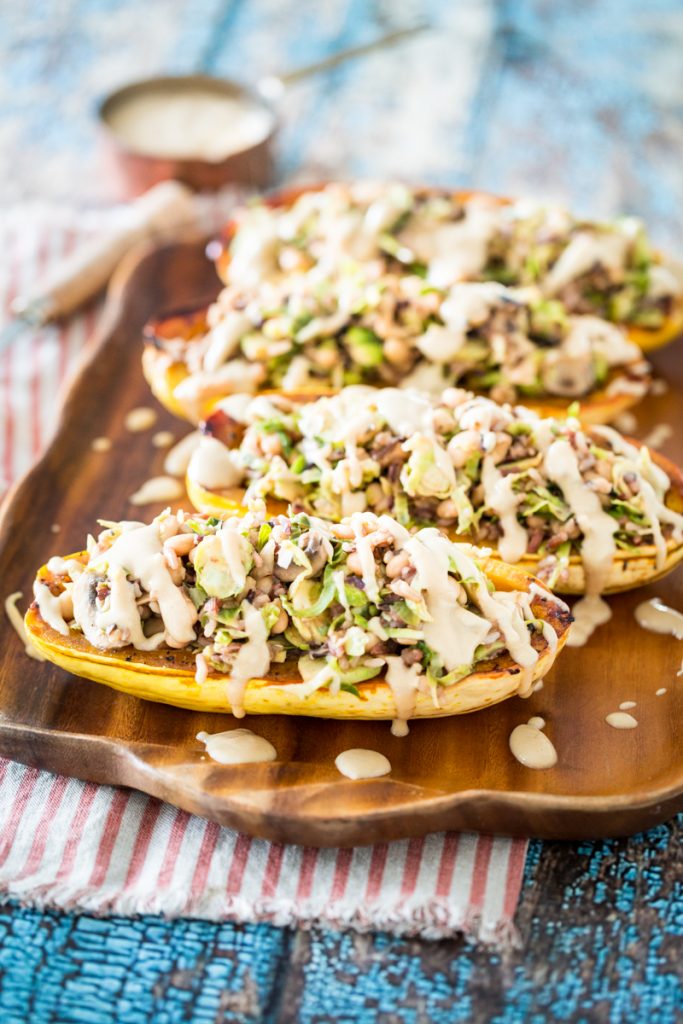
x=588, y=511
x=601, y=268
x=296, y=616
x=376, y=284
x=297, y=336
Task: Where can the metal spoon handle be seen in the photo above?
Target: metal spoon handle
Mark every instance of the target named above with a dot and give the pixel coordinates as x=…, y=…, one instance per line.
x=272, y=86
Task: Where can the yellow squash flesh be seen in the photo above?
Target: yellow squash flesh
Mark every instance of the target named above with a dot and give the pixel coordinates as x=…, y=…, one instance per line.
x=167, y=676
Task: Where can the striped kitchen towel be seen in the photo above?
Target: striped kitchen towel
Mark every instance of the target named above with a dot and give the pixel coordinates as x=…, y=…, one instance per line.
x=75, y=845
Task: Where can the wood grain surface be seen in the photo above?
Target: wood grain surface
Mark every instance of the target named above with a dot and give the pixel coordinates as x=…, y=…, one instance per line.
x=454, y=773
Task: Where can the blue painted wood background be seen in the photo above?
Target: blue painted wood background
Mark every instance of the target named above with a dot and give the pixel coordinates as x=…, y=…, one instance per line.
x=580, y=100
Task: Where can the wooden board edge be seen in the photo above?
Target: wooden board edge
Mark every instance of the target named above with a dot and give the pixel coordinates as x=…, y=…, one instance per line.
x=514, y=814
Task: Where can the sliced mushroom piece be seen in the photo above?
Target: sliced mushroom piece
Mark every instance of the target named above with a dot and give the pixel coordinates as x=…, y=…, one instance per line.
x=84, y=596
x=315, y=549
x=568, y=376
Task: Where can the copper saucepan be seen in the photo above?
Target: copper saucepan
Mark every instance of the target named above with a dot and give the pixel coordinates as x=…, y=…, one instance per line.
x=135, y=166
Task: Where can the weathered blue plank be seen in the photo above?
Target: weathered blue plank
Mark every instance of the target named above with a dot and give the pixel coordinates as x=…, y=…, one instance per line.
x=116, y=971
x=583, y=103
x=600, y=932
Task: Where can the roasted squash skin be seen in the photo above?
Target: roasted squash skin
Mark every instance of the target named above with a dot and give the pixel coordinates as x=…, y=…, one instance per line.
x=168, y=676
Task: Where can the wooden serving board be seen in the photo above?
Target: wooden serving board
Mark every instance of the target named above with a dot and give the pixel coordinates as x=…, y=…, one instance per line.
x=452, y=773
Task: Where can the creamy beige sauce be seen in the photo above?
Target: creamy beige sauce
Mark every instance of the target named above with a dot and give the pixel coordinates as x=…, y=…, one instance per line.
x=139, y=550
x=214, y=466
x=658, y=436
x=50, y=607
x=589, y=613
x=403, y=681
x=457, y=249
x=17, y=623
x=589, y=335
x=237, y=746
x=253, y=658
x=657, y=617
x=101, y=444
x=163, y=439
x=626, y=386
x=585, y=250
x=189, y=121
x=158, y=489
x=598, y=546
x=454, y=632
x=626, y=422
x=366, y=555
x=531, y=747
x=140, y=419
x=502, y=499
x=358, y=763
x=399, y=728
x=223, y=339
x=178, y=458
x=597, y=526
x=621, y=720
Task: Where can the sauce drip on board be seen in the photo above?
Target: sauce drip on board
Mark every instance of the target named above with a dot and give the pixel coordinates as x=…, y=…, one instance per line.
x=156, y=489
x=621, y=720
x=358, y=763
x=237, y=746
x=163, y=439
x=530, y=745
x=101, y=444
x=140, y=419
x=17, y=623
x=659, y=618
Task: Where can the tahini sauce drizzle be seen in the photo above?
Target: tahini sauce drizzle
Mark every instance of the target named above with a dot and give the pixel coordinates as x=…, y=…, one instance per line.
x=500, y=497
x=158, y=489
x=659, y=618
x=252, y=661
x=17, y=622
x=403, y=681
x=140, y=549
x=531, y=746
x=621, y=720
x=163, y=439
x=358, y=763
x=237, y=746
x=140, y=419
x=101, y=444
x=598, y=546
x=212, y=465
x=178, y=458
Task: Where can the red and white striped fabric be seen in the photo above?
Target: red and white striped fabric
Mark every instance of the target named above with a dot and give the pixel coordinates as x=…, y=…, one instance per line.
x=75, y=845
